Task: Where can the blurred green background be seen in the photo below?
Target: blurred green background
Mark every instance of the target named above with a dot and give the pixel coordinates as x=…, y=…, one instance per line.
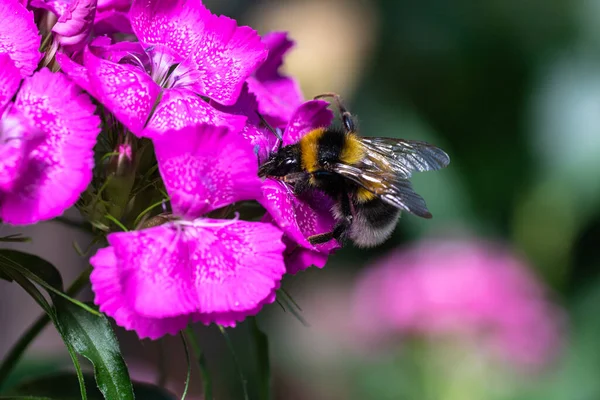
x=511, y=90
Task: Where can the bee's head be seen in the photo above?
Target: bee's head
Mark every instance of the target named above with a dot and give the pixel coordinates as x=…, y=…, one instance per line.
x=281, y=163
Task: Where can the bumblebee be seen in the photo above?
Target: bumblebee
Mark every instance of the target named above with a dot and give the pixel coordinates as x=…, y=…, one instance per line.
x=367, y=177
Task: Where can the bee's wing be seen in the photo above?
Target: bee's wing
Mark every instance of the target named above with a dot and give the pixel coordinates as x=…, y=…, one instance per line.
x=403, y=156
x=392, y=189
x=387, y=167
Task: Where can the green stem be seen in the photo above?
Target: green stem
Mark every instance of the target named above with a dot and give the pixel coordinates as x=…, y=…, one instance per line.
x=15, y=354
x=236, y=361
x=85, y=227
x=189, y=366
x=204, y=373
x=261, y=344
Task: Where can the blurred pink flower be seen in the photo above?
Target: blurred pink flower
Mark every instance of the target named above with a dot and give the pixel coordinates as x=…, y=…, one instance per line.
x=459, y=287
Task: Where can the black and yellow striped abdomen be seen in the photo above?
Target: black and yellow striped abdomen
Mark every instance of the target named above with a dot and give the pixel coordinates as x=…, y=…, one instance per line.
x=323, y=146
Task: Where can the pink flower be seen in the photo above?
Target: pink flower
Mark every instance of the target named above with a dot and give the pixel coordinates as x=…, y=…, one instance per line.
x=19, y=37
x=205, y=168
x=301, y=216
x=112, y=16
x=75, y=20
x=278, y=95
x=47, y=138
x=207, y=270
x=459, y=287
x=184, y=52
x=260, y=137
x=157, y=280
x=298, y=258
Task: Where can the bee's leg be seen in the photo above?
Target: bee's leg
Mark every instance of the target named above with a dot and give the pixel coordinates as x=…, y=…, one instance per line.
x=341, y=228
x=299, y=180
x=320, y=238
x=344, y=113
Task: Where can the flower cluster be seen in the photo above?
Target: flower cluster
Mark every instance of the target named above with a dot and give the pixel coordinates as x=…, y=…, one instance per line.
x=122, y=107
x=464, y=288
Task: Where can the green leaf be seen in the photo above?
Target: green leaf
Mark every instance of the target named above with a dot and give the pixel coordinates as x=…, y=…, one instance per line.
x=41, y=300
x=92, y=337
x=39, y=271
x=4, y=276
x=202, y=364
x=262, y=356
x=89, y=335
x=236, y=362
x=15, y=238
x=62, y=386
x=32, y=264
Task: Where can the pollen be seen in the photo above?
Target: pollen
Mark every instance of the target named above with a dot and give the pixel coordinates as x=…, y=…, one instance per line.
x=353, y=151
x=309, y=148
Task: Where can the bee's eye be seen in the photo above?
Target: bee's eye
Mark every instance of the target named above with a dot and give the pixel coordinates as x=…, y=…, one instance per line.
x=348, y=123
x=289, y=161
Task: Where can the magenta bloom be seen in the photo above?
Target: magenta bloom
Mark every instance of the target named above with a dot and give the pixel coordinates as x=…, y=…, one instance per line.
x=278, y=95
x=46, y=145
x=19, y=37
x=309, y=213
x=260, y=137
x=112, y=16
x=207, y=270
x=75, y=20
x=207, y=168
x=460, y=287
x=184, y=52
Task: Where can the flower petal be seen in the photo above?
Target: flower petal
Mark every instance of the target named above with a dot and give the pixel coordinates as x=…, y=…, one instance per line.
x=59, y=168
x=126, y=90
x=110, y=22
x=74, y=25
x=10, y=78
x=17, y=140
x=106, y=281
x=121, y=5
x=19, y=36
x=179, y=108
x=224, y=53
x=57, y=7
x=278, y=95
x=230, y=319
x=310, y=115
x=76, y=72
x=205, y=168
x=75, y=20
x=299, y=216
x=260, y=138
x=300, y=259
x=112, y=16
x=216, y=268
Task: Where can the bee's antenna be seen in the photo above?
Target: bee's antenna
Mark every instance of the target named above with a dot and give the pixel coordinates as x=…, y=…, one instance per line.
x=275, y=132
x=344, y=113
